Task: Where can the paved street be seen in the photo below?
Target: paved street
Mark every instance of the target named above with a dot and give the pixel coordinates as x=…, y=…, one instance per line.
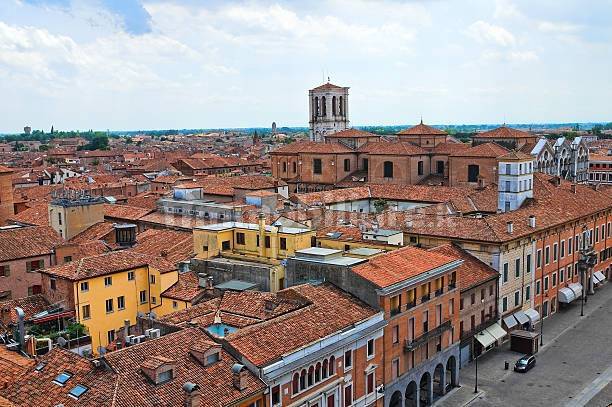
x=574, y=368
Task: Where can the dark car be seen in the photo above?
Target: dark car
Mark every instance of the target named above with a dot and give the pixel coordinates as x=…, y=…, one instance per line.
x=525, y=363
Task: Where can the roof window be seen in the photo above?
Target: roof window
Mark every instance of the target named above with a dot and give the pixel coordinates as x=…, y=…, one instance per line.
x=39, y=367
x=77, y=391
x=62, y=378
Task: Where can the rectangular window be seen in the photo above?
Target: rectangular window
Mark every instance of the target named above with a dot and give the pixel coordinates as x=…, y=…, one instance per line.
x=5, y=270
x=561, y=275
x=570, y=246
x=371, y=348
x=517, y=298
x=347, y=165
x=504, y=304
x=348, y=395
x=538, y=287
x=121, y=302
x=546, y=283
x=317, y=166
x=569, y=272
x=153, y=300
x=86, y=311
x=517, y=268
x=555, y=250
x=505, y=274
x=527, y=293
x=110, y=336
x=395, y=369
x=554, y=279
x=34, y=265
x=84, y=286
x=370, y=383
x=130, y=275
x=395, y=335
x=67, y=259
x=420, y=168
x=109, y=305
x=451, y=306
x=562, y=254
x=108, y=281
x=267, y=242
x=283, y=243
x=152, y=279
x=348, y=359
x=174, y=304
x=597, y=234
x=547, y=255
x=53, y=284
x=539, y=258
x=143, y=296
x=528, y=263
x=240, y=238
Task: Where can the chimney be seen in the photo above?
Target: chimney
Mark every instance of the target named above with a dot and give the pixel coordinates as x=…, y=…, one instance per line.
x=532, y=221
x=409, y=224
x=574, y=188
x=192, y=394
x=481, y=183
x=209, y=283
x=184, y=266
x=21, y=327
x=202, y=280
x=239, y=376
x=509, y=226
x=126, y=329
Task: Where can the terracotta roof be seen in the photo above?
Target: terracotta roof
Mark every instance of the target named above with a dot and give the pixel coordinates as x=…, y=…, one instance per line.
x=175, y=221
x=352, y=133
x=31, y=305
x=472, y=272
x=449, y=148
x=328, y=86
x=268, y=341
x=187, y=288
x=5, y=170
x=600, y=157
x=422, y=130
x=391, y=148
x=492, y=150
x=146, y=200
x=173, y=245
x=503, y=132
x=399, y=265
x=515, y=156
x=36, y=215
x=313, y=148
x=28, y=241
x=107, y=263
x=97, y=231
x=125, y=212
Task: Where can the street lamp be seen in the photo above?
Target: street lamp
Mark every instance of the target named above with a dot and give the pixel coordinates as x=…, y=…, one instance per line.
x=476, y=358
x=542, y=322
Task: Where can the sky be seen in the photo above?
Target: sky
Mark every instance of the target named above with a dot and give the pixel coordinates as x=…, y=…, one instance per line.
x=164, y=64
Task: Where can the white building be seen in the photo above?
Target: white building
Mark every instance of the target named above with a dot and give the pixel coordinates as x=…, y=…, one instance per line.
x=515, y=180
x=328, y=105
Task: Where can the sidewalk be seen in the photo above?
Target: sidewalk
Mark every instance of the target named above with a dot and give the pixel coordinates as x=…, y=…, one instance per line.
x=491, y=364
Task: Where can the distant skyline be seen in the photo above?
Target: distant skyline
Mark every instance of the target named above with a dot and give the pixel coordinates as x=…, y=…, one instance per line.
x=172, y=64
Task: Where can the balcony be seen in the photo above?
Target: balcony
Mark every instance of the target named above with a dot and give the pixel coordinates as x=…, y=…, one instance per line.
x=439, y=292
x=489, y=320
x=409, y=346
x=452, y=285
x=426, y=298
x=411, y=304
x=395, y=311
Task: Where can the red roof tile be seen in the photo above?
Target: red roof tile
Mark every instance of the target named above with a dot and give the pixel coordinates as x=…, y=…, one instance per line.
x=504, y=132
x=28, y=241
x=491, y=150
x=312, y=147
x=422, y=130
x=472, y=272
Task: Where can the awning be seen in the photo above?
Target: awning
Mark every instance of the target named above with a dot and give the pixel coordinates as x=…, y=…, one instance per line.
x=596, y=279
x=566, y=295
x=576, y=288
x=533, y=315
x=485, y=338
x=600, y=275
x=510, y=321
x=521, y=317
x=496, y=331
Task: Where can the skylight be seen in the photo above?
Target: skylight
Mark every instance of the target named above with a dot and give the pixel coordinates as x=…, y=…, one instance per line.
x=40, y=366
x=78, y=390
x=62, y=378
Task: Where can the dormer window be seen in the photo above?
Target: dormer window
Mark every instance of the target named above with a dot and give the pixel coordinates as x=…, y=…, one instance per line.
x=206, y=353
x=62, y=378
x=158, y=369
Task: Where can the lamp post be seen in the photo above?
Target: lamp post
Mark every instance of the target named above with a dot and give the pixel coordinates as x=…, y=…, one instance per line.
x=542, y=322
x=476, y=382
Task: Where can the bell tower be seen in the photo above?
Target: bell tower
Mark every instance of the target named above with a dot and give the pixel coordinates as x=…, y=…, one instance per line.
x=328, y=106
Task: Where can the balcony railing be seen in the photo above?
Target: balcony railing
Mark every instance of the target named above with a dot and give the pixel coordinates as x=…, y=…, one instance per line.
x=439, y=292
x=452, y=285
x=434, y=333
x=489, y=320
x=395, y=311
x=425, y=298
x=411, y=304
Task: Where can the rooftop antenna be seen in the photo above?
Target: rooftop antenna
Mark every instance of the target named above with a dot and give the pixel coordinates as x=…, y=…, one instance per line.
x=421, y=118
x=328, y=79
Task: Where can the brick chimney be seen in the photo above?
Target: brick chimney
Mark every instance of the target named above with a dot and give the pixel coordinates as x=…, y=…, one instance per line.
x=239, y=376
x=192, y=395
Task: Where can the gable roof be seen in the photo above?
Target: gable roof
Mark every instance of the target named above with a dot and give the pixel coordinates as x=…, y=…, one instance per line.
x=422, y=130
x=351, y=133
x=30, y=241
x=504, y=132
x=391, y=148
x=328, y=86
x=485, y=150
x=472, y=272
x=312, y=147
x=399, y=265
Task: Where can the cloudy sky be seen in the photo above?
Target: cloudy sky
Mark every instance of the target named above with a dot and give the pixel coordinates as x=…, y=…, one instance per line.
x=132, y=64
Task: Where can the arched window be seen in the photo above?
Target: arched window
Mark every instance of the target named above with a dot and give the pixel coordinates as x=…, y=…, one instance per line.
x=318, y=373
x=284, y=166
x=332, y=365
x=324, y=375
x=295, y=383
x=473, y=172
x=388, y=169
x=316, y=109
x=303, y=380
x=323, y=107
x=294, y=167
x=341, y=106
x=334, y=109
x=310, y=376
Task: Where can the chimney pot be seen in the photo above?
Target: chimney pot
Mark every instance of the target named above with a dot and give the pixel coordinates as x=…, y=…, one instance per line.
x=509, y=226
x=532, y=221
x=239, y=376
x=574, y=188
x=192, y=394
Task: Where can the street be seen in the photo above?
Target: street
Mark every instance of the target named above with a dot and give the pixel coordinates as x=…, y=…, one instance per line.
x=574, y=368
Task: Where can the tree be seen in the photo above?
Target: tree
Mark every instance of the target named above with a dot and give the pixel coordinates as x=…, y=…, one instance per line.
x=380, y=205
x=98, y=142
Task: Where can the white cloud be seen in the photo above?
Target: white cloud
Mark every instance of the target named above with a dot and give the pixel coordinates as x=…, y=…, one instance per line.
x=558, y=27
x=486, y=33
x=510, y=56
x=505, y=9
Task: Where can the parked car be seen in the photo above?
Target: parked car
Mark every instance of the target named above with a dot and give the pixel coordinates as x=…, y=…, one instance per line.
x=525, y=363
